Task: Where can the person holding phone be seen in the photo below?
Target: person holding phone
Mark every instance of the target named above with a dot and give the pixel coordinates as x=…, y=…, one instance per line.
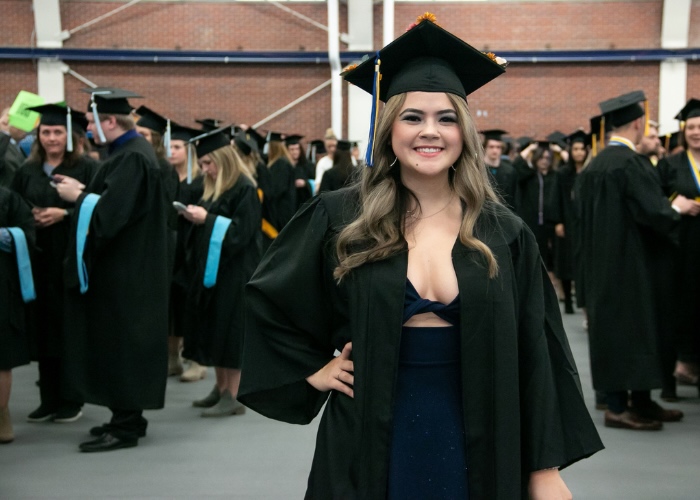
x=222, y=247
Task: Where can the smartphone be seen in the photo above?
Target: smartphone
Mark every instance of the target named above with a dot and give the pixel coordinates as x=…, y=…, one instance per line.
x=180, y=207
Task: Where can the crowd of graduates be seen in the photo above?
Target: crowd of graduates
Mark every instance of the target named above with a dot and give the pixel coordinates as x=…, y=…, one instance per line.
x=185, y=215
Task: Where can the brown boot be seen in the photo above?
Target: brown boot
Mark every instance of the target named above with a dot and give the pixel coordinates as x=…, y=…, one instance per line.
x=6, y=434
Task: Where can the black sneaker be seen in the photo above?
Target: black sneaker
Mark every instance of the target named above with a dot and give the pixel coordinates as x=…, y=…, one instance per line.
x=41, y=414
x=67, y=415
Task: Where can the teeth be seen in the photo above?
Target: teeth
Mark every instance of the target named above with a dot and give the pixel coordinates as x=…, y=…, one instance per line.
x=428, y=150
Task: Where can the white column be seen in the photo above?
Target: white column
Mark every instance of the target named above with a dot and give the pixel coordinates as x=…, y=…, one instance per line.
x=388, y=22
x=334, y=58
x=50, y=72
x=673, y=73
x=361, y=35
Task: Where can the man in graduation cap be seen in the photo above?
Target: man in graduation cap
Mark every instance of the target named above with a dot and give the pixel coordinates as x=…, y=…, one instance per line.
x=503, y=176
x=117, y=278
x=623, y=211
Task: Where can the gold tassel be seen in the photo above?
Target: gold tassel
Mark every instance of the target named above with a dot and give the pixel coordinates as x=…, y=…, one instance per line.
x=646, y=118
x=594, y=145
x=601, y=137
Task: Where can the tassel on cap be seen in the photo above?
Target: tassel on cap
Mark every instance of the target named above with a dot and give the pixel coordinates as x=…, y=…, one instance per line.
x=646, y=118
x=166, y=140
x=369, y=155
x=189, y=163
x=69, y=130
x=96, y=119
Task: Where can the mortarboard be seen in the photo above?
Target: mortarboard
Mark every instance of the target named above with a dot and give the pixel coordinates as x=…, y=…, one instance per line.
x=558, y=138
x=316, y=147
x=181, y=133
x=623, y=109
x=671, y=141
x=293, y=139
x=61, y=114
x=690, y=110
x=245, y=142
x=427, y=58
x=493, y=134
x=153, y=121
x=108, y=100
x=344, y=145
x=205, y=143
x=599, y=127
x=579, y=136
x=273, y=136
x=209, y=124
x=524, y=142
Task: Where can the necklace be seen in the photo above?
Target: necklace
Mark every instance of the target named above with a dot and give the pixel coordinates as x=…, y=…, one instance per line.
x=412, y=213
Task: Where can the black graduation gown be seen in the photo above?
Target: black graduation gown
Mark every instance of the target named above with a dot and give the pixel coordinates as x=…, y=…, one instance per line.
x=10, y=160
x=14, y=346
x=32, y=183
x=335, y=179
x=215, y=316
x=116, y=333
x=521, y=394
x=621, y=208
x=676, y=177
x=279, y=193
x=188, y=194
x=529, y=206
x=304, y=170
x=504, y=180
x=564, y=264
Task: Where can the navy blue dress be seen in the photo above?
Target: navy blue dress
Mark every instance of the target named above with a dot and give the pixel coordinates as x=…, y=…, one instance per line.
x=428, y=457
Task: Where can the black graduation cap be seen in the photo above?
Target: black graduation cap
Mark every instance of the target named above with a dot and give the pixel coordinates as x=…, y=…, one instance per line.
x=293, y=139
x=110, y=100
x=245, y=142
x=274, y=136
x=181, y=133
x=61, y=114
x=344, y=145
x=543, y=143
x=524, y=142
x=558, y=138
x=151, y=120
x=255, y=135
x=579, y=136
x=623, y=109
x=493, y=134
x=427, y=58
x=211, y=141
x=690, y=110
x=599, y=127
x=209, y=124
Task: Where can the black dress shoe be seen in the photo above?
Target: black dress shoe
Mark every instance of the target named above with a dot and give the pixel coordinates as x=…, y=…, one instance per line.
x=101, y=430
x=107, y=442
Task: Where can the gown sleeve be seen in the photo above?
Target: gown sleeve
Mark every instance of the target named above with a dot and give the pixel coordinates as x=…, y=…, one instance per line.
x=289, y=320
x=557, y=429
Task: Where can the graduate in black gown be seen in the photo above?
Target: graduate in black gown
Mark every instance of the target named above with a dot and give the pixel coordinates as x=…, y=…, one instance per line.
x=622, y=209
x=342, y=172
x=565, y=230
x=16, y=287
x=183, y=160
x=304, y=170
x=680, y=175
x=117, y=290
x=223, y=247
x=503, y=176
x=276, y=179
x=432, y=291
x=52, y=154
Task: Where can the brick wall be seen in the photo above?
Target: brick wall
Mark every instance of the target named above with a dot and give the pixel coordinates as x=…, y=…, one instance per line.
x=529, y=99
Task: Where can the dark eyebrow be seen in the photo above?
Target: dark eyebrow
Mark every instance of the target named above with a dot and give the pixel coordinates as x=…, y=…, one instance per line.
x=420, y=112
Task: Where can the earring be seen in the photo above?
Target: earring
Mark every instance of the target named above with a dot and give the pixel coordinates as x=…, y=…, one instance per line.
x=453, y=168
x=393, y=162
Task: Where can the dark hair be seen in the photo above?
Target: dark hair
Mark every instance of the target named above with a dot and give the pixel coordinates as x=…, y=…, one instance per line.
x=539, y=153
x=342, y=160
x=38, y=153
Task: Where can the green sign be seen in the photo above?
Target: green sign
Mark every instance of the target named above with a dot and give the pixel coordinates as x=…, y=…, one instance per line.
x=20, y=116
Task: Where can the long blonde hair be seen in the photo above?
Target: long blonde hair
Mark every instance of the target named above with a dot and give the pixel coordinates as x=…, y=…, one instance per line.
x=230, y=167
x=278, y=150
x=377, y=232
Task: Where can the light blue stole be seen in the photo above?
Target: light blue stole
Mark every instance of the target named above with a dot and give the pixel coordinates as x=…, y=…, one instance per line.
x=24, y=265
x=211, y=268
x=84, y=217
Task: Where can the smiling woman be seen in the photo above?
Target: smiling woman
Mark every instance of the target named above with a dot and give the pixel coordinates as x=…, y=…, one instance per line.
x=420, y=278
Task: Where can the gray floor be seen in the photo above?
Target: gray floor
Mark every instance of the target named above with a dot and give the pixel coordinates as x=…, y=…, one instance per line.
x=250, y=457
